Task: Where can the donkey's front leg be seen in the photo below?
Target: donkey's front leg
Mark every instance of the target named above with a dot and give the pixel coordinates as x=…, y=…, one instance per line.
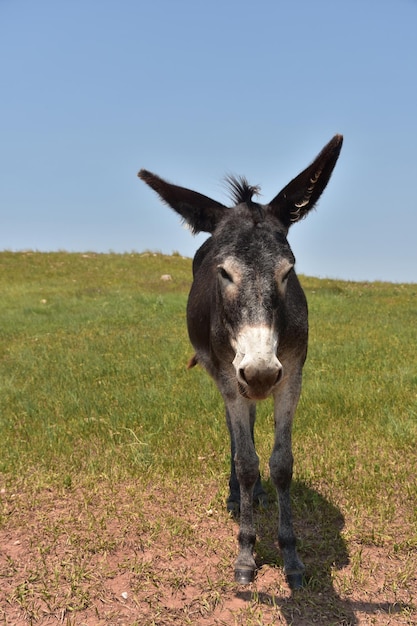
x=259, y=495
x=281, y=464
x=247, y=472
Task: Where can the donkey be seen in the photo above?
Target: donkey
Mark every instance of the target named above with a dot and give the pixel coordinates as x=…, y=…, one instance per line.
x=247, y=322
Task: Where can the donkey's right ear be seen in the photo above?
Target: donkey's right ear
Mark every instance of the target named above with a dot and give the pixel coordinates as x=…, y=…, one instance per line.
x=200, y=212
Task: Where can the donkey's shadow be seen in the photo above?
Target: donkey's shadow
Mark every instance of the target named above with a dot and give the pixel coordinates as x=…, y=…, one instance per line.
x=318, y=525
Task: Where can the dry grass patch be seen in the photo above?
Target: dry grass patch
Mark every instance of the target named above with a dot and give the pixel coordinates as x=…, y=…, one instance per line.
x=135, y=554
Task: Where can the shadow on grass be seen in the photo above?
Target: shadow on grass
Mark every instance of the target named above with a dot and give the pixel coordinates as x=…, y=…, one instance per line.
x=318, y=524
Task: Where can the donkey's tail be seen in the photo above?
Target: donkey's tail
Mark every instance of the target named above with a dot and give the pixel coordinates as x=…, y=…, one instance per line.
x=192, y=362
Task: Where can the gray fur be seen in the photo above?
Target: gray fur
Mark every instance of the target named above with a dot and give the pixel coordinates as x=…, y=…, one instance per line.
x=247, y=321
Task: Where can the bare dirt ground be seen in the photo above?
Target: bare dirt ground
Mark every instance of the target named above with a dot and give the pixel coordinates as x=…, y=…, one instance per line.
x=165, y=556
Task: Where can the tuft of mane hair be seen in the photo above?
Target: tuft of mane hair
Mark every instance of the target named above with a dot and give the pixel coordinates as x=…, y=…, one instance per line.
x=240, y=190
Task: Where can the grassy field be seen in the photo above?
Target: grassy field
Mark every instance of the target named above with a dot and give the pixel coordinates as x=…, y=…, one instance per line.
x=114, y=458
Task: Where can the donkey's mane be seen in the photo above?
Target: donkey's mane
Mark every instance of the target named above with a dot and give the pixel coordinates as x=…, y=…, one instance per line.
x=240, y=190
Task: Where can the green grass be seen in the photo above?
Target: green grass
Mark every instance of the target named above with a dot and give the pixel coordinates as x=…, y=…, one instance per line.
x=101, y=425
x=86, y=372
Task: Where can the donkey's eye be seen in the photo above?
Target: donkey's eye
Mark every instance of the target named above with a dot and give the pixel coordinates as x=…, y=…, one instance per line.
x=282, y=277
x=224, y=274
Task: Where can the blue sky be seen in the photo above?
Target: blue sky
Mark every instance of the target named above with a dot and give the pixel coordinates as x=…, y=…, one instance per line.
x=93, y=90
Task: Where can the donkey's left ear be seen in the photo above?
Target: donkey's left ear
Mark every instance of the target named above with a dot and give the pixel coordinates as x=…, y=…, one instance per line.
x=200, y=212
x=301, y=194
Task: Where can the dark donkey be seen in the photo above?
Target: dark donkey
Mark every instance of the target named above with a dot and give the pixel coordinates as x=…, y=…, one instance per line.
x=247, y=321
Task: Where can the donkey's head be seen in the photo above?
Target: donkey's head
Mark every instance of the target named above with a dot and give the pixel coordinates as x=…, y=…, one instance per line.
x=244, y=275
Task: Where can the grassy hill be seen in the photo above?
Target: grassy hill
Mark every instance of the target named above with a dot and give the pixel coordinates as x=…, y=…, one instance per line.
x=114, y=457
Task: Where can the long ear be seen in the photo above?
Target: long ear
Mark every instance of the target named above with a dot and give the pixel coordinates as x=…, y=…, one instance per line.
x=301, y=194
x=200, y=212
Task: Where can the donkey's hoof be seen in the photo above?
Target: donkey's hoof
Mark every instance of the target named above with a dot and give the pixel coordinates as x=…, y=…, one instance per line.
x=295, y=581
x=233, y=508
x=244, y=576
x=261, y=500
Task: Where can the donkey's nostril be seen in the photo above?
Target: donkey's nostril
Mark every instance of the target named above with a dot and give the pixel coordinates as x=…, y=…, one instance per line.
x=279, y=376
x=242, y=375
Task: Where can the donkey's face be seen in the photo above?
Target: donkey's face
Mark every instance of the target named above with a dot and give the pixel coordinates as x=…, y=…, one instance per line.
x=253, y=263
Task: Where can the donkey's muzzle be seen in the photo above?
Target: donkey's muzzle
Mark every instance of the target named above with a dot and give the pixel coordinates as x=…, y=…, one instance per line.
x=256, y=364
x=257, y=381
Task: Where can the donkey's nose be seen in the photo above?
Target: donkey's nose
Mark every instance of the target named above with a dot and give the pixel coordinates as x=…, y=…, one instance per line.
x=259, y=379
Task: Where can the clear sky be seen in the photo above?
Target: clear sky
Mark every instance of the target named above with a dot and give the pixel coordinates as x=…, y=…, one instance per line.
x=93, y=90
